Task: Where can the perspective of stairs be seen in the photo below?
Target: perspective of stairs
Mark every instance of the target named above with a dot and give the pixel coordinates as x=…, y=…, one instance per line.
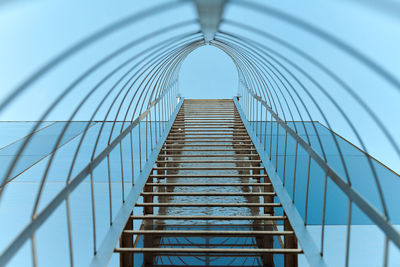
x=208, y=201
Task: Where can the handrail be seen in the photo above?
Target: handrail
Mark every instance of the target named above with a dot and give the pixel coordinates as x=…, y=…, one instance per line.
x=308, y=245
x=361, y=202
x=107, y=246
x=42, y=216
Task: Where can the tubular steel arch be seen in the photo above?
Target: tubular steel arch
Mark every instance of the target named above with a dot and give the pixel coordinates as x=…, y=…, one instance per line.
x=137, y=100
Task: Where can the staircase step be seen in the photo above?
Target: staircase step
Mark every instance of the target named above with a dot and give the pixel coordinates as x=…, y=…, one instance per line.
x=208, y=195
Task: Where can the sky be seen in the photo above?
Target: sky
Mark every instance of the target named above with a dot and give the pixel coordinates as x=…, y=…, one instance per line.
x=208, y=73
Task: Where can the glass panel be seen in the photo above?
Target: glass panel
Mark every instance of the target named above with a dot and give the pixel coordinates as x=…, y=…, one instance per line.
x=360, y=167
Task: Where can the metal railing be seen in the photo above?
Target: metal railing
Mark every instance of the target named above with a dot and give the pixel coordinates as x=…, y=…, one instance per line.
x=132, y=101
x=276, y=113
x=141, y=100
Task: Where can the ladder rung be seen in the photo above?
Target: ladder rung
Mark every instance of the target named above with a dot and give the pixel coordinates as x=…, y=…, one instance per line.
x=198, y=119
x=227, y=251
x=183, y=131
x=211, y=141
x=210, y=127
x=196, y=114
x=183, y=136
x=211, y=155
x=231, y=117
x=207, y=194
x=208, y=204
x=204, y=138
x=208, y=161
x=207, y=134
x=208, y=217
x=208, y=168
x=208, y=122
x=205, y=232
x=203, y=150
x=208, y=108
x=204, y=145
x=200, y=115
x=209, y=175
x=208, y=111
x=221, y=245
x=222, y=114
x=208, y=184
x=226, y=177
x=211, y=123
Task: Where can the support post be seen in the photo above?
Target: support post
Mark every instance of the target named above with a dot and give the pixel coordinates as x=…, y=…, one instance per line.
x=290, y=241
x=148, y=224
x=126, y=241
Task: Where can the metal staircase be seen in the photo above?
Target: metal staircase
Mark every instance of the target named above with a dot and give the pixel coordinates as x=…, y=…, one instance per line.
x=208, y=200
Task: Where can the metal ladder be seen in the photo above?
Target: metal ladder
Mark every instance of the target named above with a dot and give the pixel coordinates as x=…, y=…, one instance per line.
x=208, y=201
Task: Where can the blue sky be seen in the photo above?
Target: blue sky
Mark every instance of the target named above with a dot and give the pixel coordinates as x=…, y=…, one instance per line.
x=208, y=73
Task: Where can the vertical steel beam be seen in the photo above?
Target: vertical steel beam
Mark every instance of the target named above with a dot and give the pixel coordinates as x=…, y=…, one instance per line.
x=291, y=260
x=126, y=259
x=210, y=14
